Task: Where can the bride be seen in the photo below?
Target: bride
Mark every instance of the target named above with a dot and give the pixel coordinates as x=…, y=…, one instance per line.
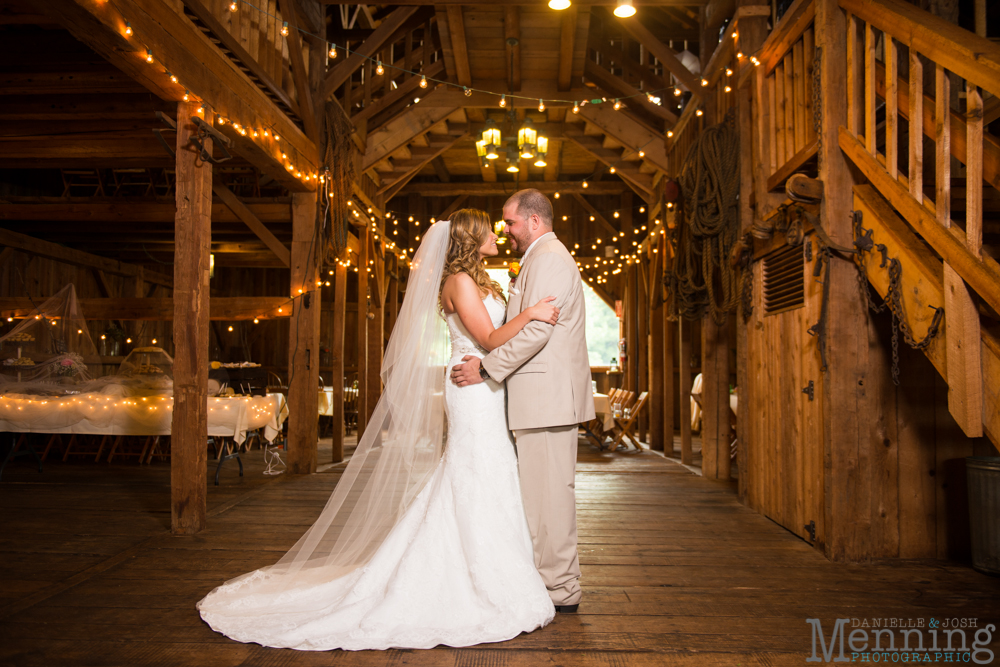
x=419, y=544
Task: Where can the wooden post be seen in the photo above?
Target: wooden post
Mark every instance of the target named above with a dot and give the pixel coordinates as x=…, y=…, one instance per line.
x=303, y=338
x=684, y=381
x=669, y=386
x=753, y=32
x=714, y=399
x=193, y=239
x=376, y=335
x=631, y=382
x=846, y=409
x=656, y=377
x=337, y=347
x=364, y=234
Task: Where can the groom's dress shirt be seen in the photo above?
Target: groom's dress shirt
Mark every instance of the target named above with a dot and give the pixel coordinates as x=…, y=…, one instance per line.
x=546, y=367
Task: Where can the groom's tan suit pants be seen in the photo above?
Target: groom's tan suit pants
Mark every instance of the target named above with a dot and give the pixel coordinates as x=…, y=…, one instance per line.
x=546, y=461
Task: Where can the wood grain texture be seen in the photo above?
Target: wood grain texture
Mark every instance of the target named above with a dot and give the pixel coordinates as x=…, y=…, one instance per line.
x=189, y=426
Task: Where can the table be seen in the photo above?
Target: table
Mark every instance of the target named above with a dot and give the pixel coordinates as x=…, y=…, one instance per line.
x=602, y=406
x=100, y=414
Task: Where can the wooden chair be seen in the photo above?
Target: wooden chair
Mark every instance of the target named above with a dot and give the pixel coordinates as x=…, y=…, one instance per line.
x=624, y=399
x=623, y=425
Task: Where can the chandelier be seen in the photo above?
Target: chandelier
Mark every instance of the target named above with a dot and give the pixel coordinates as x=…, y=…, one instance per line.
x=526, y=143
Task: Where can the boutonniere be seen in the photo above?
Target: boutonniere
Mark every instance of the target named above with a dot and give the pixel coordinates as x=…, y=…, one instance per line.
x=513, y=270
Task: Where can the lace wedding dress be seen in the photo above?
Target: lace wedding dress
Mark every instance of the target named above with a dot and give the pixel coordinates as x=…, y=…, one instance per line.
x=457, y=569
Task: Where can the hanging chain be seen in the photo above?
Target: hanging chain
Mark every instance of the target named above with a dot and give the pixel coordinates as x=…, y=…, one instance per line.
x=893, y=298
x=817, y=102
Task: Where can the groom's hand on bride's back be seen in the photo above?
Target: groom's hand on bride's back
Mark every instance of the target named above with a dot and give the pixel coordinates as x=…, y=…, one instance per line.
x=466, y=373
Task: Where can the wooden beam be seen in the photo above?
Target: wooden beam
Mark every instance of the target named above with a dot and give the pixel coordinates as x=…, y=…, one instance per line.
x=567, y=47
x=598, y=216
x=338, y=380
x=628, y=171
x=404, y=92
x=663, y=53
x=240, y=308
x=40, y=248
x=199, y=64
x=437, y=146
x=401, y=131
x=632, y=134
x=453, y=206
x=459, y=48
x=131, y=212
x=307, y=111
x=512, y=54
x=441, y=169
x=617, y=87
x=531, y=3
x=255, y=225
x=505, y=188
x=383, y=33
x=304, y=338
x=684, y=387
x=189, y=425
x=361, y=334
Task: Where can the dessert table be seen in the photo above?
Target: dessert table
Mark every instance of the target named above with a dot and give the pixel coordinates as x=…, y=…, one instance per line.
x=100, y=414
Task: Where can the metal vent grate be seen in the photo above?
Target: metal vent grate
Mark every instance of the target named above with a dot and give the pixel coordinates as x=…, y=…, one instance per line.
x=784, y=280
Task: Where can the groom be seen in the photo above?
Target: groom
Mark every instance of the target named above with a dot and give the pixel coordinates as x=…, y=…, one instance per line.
x=549, y=391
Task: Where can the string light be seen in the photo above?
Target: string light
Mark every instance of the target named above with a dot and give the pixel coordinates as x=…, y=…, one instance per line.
x=576, y=107
x=423, y=82
x=187, y=95
x=284, y=29
x=729, y=71
x=233, y=6
x=379, y=70
x=128, y=28
x=612, y=170
x=541, y=105
x=333, y=50
x=618, y=105
x=677, y=92
x=670, y=133
x=149, y=56
x=503, y=101
x=468, y=91
x=173, y=77
x=642, y=153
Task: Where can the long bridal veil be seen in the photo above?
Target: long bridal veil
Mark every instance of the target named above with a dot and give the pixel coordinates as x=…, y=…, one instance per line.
x=400, y=448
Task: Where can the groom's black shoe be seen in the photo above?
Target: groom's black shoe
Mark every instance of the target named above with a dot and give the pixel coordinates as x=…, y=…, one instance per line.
x=567, y=608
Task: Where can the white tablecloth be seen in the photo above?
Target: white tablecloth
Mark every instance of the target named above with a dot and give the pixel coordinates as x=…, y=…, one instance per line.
x=326, y=399
x=98, y=414
x=602, y=406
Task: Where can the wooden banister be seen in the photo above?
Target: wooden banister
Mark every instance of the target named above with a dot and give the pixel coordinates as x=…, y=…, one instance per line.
x=974, y=58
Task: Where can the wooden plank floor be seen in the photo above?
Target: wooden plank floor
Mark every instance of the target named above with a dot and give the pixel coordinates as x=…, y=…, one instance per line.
x=675, y=572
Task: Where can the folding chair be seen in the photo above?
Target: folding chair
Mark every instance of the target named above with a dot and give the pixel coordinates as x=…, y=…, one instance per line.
x=623, y=426
x=624, y=399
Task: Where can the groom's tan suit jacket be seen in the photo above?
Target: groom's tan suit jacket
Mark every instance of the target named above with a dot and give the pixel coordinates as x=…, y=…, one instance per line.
x=546, y=367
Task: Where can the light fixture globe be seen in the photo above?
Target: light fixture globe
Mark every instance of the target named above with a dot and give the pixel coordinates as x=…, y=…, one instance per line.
x=624, y=9
x=527, y=139
x=491, y=139
x=559, y=4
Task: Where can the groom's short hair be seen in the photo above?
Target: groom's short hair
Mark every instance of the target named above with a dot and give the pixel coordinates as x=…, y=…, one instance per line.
x=532, y=202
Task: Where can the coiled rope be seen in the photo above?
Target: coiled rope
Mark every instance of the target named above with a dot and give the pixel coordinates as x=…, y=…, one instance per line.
x=702, y=279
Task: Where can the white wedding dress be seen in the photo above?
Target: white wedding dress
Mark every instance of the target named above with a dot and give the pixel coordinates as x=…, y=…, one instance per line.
x=458, y=569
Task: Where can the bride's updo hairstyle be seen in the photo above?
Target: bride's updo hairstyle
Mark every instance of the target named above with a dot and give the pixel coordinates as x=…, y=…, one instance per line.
x=470, y=227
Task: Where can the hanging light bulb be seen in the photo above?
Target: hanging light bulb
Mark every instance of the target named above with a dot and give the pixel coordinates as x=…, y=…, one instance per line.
x=379, y=70
x=585, y=184
x=618, y=105
x=423, y=82
x=256, y=321
x=468, y=91
x=729, y=71
x=728, y=89
x=670, y=133
x=128, y=28
x=541, y=105
x=677, y=92
x=333, y=50
x=173, y=77
x=201, y=109
x=699, y=112
x=149, y=56
x=704, y=82
x=559, y=4
x=284, y=29
x=230, y=327
x=624, y=9
x=642, y=153
x=576, y=107
x=503, y=101
x=187, y=95
x=233, y=6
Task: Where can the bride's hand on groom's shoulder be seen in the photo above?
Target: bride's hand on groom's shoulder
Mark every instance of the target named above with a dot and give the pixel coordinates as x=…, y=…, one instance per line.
x=466, y=373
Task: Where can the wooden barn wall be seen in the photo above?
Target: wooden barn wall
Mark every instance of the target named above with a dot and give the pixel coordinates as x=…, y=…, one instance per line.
x=25, y=275
x=910, y=452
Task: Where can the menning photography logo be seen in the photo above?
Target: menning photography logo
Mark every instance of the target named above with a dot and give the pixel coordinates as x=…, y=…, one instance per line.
x=902, y=640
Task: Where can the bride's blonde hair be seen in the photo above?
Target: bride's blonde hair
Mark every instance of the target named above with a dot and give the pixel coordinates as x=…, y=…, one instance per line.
x=470, y=227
